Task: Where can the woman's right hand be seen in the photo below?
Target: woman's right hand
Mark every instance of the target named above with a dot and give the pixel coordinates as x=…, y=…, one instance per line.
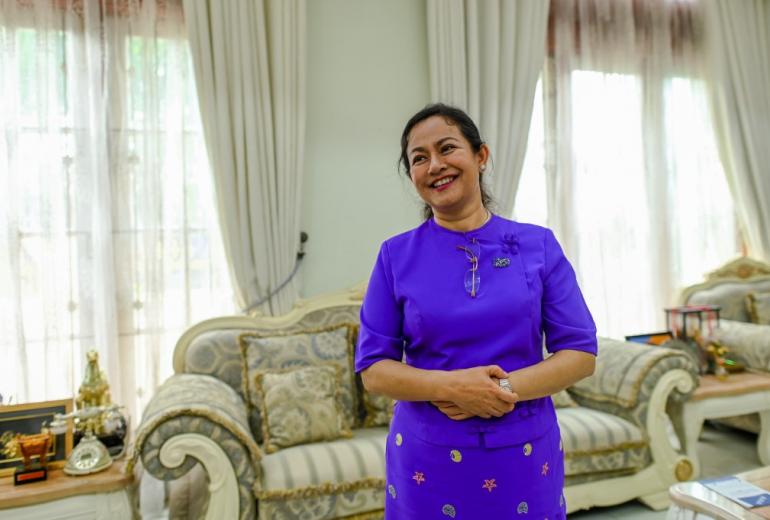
x=475, y=391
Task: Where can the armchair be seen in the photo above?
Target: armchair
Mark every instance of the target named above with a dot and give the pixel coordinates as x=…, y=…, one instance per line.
x=641, y=386
x=729, y=287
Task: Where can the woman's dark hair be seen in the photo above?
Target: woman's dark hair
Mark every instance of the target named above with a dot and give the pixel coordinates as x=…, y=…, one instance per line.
x=468, y=128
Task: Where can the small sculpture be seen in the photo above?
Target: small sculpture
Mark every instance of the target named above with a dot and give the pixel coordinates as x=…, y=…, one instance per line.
x=717, y=353
x=719, y=362
x=30, y=446
x=34, y=445
x=95, y=390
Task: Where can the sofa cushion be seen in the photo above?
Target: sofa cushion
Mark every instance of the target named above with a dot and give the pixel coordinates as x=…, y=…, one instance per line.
x=326, y=479
x=562, y=399
x=300, y=405
x=597, y=442
x=327, y=345
x=758, y=307
x=378, y=409
x=748, y=341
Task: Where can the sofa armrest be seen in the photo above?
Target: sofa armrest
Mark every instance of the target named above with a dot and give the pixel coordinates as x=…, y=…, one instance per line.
x=626, y=377
x=196, y=418
x=748, y=341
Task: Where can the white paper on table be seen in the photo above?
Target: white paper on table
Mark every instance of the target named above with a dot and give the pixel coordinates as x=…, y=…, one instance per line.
x=738, y=490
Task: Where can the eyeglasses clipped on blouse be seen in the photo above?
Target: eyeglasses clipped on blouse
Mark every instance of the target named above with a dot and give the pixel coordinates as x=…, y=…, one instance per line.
x=472, y=278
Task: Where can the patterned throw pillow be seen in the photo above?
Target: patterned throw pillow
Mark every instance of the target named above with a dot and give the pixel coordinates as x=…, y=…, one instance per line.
x=563, y=400
x=273, y=350
x=758, y=307
x=300, y=405
x=378, y=410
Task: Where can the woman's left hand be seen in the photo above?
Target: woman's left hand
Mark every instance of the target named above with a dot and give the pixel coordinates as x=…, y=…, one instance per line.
x=451, y=410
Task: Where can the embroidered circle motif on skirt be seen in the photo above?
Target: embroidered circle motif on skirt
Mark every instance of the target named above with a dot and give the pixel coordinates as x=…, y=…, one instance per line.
x=392, y=490
x=449, y=510
x=523, y=508
x=399, y=439
x=456, y=456
x=527, y=449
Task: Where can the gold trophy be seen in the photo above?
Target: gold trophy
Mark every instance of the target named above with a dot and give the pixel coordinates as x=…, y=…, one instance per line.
x=30, y=446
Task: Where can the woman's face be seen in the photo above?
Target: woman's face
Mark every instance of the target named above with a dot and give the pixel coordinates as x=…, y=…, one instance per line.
x=443, y=166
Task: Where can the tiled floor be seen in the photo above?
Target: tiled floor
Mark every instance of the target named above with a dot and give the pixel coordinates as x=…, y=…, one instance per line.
x=722, y=451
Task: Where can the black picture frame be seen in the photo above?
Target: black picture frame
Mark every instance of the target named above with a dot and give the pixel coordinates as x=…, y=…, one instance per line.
x=28, y=419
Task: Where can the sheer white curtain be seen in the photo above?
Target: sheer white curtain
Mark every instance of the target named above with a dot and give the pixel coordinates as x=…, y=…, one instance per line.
x=739, y=34
x=485, y=57
x=108, y=235
x=634, y=187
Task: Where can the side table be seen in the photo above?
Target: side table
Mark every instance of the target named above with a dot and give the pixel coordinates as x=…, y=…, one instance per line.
x=691, y=500
x=741, y=393
x=101, y=496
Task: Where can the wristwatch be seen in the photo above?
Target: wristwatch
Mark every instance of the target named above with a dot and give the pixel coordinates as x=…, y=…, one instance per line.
x=505, y=385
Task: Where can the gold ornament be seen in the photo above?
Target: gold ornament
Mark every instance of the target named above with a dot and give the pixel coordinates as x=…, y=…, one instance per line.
x=94, y=390
x=683, y=470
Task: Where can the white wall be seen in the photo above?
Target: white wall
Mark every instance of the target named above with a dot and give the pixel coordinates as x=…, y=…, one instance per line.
x=367, y=74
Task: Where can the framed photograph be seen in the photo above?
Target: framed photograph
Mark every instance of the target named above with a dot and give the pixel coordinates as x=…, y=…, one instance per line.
x=28, y=419
x=653, y=338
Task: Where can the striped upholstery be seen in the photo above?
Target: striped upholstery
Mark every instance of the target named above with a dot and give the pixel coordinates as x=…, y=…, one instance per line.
x=621, y=369
x=333, y=479
x=595, y=441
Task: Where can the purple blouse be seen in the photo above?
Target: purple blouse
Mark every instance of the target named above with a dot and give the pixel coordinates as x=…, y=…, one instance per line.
x=417, y=309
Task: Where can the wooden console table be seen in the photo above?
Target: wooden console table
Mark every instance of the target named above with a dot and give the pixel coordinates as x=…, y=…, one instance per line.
x=101, y=496
x=741, y=393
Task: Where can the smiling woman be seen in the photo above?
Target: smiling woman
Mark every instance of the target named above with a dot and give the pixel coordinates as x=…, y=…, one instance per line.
x=464, y=358
x=439, y=145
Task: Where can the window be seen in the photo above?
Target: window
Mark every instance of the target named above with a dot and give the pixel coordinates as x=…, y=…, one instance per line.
x=644, y=193
x=109, y=234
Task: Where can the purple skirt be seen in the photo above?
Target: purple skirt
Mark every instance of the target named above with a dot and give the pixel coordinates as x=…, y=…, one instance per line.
x=427, y=481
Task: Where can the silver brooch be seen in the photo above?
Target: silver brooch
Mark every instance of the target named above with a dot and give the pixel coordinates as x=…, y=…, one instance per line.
x=502, y=262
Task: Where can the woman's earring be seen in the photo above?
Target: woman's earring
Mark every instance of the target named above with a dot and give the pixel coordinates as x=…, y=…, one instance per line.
x=483, y=168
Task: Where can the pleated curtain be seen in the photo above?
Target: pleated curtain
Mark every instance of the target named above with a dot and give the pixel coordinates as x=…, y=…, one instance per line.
x=739, y=36
x=249, y=60
x=485, y=57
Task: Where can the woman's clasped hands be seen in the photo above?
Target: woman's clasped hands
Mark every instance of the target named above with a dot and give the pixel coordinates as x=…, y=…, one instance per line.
x=475, y=392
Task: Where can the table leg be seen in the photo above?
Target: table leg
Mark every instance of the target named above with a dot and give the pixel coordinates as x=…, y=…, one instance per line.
x=763, y=441
x=693, y=423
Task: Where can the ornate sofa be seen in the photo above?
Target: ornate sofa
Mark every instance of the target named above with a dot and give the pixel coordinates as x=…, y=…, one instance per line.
x=197, y=430
x=730, y=287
